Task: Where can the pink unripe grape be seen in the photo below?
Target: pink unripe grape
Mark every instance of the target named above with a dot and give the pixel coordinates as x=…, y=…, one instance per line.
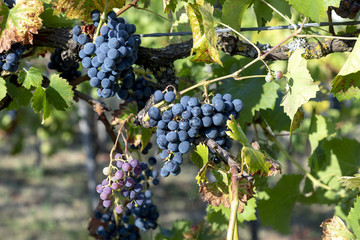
x=119, y=164
x=118, y=209
x=126, y=167
x=278, y=74
x=115, y=186
x=119, y=174
x=134, y=163
x=106, y=203
x=103, y=196
x=118, y=156
x=107, y=190
x=129, y=182
x=99, y=188
x=105, y=182
x=269, y=78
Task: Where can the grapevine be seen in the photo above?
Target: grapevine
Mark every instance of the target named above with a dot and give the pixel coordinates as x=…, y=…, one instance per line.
x=191, y=85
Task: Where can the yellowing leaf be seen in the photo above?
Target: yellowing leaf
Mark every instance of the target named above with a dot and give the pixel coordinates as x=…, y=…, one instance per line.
x=300, y=87
x=334, y=228
x=204, y=37
x=351, y=182
x=346, y=84
x=19, y=23
x=255, y=160
x=81, y=9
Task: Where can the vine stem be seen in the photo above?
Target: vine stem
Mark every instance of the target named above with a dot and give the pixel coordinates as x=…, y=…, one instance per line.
x=102, y=19
x=333, y=37
x=118, y=136
x=125, y=8
x=232, y=233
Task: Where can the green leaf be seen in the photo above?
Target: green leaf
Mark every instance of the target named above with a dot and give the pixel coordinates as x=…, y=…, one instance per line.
x=316, y=10
x=218, y=216
x=203, y=34
x=76, y=9
x=354, y=218
x=233, y=12
x=56, y=21
x=58, y=94
x=237, y=133
x=351, y=182
x=277, y=118
x=255, y=93
x=332, y=159
x=255, y=161
x=346, y=84
x=2, y=88
x=179, y=227
x=249, y=213
x=200, y=156
x=320, y=128
x=145, y=137
x=264, y=13
x=276, y=210
x=170, y=5
x=20, y=95
x=20, y=23
x=334, y=228
x=300, y=87
x=30, y=78
x=295, y=124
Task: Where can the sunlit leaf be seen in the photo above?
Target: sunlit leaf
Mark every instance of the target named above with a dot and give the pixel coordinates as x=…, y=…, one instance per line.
x=354, y=218
x=2, y=88
x=17, y=25
x=334, y=228
x=32, y=77
x=351, y=182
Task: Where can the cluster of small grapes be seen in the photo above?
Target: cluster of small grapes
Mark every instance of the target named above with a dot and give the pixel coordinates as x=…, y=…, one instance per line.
x=141, y=90
x=122, y=230
x=112, y=53
x=67, y=66
x=126, y=178
x=348, y=9
x=9, y=61
x=147, y=214
x=10, y=3
x=183, y=122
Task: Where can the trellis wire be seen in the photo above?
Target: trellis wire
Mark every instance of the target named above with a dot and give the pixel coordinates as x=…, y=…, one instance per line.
x=266, y=28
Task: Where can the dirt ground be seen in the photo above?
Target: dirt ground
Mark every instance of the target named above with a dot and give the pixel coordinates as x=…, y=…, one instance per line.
x=51, y=202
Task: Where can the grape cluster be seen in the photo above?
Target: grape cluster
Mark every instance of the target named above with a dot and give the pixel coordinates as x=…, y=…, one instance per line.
x=111, y=55
x=122, y=230
x=67, y=66
x=139, y=90
x=147, y=214
x=126, y=178
x=348, y=9
x=178, y=126
x=9, y=61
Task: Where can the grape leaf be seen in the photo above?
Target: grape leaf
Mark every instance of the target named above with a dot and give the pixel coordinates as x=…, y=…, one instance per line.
x=249, y=213
x=320, y=128
x=202, y=27
x=295, y=124
x=277, y=118
x=334, y=228
x=351, y=182
x=255, y=93
x=177, y=231
x=58, y=94
x=30, y=78
x=17, y=25
x=332, y=159
x=276, y=210
x=57, y=20
x=300, y=86
x=170, y=5
x=20, y=95
x=264, y=13
x=354, y=218
x=218, y=216
x=2, y=88
x=203, y=151
x=233, y=12
x=346, y=84
x=76, y=9
x=237, y=133
x=316, y=10
x=255, y=161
